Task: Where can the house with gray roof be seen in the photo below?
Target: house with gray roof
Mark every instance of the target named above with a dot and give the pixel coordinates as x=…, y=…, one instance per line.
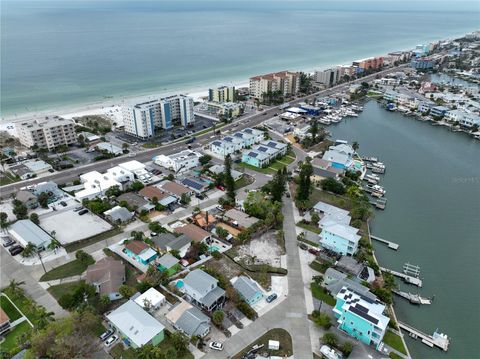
x=25, y=231
x=167, y=242
x=203, y=290
x=136, y=201
x=335, y=280
x=248, y=290
x=118, y=214
x=193, y=323
x=331, y=214
x=167, y=262
x=27, y=198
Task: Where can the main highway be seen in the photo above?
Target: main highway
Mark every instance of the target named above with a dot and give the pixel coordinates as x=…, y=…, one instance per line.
x=174, y=147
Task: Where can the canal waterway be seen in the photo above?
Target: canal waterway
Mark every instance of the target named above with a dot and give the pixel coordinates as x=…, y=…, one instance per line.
x=433, y=213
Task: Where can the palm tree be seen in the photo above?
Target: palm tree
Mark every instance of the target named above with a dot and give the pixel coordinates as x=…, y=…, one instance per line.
x=54, y=243
x=43, y=317
x=14, y=287
x=29, y=250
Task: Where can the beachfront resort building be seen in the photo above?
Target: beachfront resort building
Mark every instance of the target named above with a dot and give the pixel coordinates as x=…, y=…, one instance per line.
x=287, y=82
x=360, y=317
x=178, y=162
x=222, y=94
x=369, y=63
x=225, y=109
x=142, y=119
x=264, y=153
x=328, y=77
x=236, y=142
x=48, y=133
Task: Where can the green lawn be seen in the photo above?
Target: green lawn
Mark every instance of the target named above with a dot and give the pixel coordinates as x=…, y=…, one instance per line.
x=393, y=355
x=335, y=200
x=7, y=178
x=319, y=266
x=258, y=169
x=321, y=294
x=281, y=335
x=69, y=269
x=58, y=290
x=244, y=181
x=72, y=247
x=25, y=304
x=9, y=309
x=309, y=227
x=393, y=340
x=10, y=342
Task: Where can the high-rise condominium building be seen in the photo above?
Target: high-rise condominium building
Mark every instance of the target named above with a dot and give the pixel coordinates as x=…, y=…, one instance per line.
x=222, y=94
x=142, y=119
x=49, y=132
x=285, y=81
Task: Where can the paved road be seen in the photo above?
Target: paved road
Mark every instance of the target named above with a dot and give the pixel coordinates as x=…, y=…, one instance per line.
x=248, y=121
x=291, y=314
x=11, y=269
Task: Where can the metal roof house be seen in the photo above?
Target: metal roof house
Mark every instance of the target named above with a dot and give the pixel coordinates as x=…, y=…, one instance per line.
x=119, y=214
x=248, y=290
x=340, y=238
x=107, y=275
x=202, y=289
x=331, y=213
x=25, y=231
x=135, y=325
x=167, y=242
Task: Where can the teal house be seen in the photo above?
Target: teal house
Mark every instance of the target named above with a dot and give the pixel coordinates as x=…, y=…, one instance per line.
x=340, y=238
x=248, y=290
x=360, y=316
x=140, y=251
x=135, y=326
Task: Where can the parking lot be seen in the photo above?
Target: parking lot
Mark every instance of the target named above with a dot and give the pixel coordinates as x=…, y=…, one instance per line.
x=70, y=227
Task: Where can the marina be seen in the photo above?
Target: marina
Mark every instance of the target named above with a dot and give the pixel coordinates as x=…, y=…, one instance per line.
x=439, y=340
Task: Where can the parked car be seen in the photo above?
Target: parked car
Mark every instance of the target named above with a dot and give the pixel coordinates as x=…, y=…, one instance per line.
x=199, y=196
x=191, y=140
x=63, y=203
x=314, y=251
x=111, y=340
x=15, y=250
x=272, y=297
x=303, y=246
x=8, y=242
x=106, y=335
x=216, y=346
x=78, y=208
x=153, y=234
x=221, y=188
x=82, y=212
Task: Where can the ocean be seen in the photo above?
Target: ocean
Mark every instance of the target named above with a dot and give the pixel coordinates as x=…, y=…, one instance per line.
x=56, y=54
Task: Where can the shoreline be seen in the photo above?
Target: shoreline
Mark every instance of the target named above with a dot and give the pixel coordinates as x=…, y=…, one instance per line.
x=101, y=106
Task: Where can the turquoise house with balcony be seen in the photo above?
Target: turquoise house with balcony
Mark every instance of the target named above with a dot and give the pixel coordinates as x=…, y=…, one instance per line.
x=340, y=238
x=140, y=251
x=361, y=316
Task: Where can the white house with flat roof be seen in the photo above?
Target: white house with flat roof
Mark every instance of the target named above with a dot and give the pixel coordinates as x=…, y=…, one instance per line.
x=236, y=142
x=152, y=298
x=25, y=231
x=179, y=162
x=96, y=184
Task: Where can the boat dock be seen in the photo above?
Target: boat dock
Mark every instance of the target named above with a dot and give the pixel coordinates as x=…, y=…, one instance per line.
x=390, y=245
x=412, y=298
x=380, y=203
x=439, y=340
x=406, y=278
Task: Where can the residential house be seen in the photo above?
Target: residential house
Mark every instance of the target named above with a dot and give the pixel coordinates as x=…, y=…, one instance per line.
x=228, y=109
x=176, y=189
x=217, y=169
x=109, y=148
x=153, y=193
x=331, y=213
x=27, y=198
x=135, y=325
x=340, y=156
x=240, y=219
x=140, y=251
x=96, y=184
x=340, y=238
x=151, y=299
x=236, y=142
x=360, y=317
x=203, y=290
x=4, y=322
x=107, y=275
x=195, y=233
x=324, y=169
x=262, y=154
x=196, y=184
x=189, y=320
x=119, y=214
x=25, y=231
x=135, y=201
x=179, y=162
x=438, y=111
x=205, y=220
x=249, y=290
x=167, y=242
x=168, y=263
x=334, y=281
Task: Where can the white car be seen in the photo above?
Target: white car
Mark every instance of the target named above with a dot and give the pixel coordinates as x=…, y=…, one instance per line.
x=111, y=340
x=216, y=346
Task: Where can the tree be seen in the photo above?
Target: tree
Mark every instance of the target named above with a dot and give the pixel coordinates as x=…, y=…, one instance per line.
x=137, y=235
x=113, y=191
x=43, y=317
x=217, y=317
x=29, y=250
x=19, y=210
x=330, y=339
x=305, y=82
x=229, y=181
x=15, y=287
x=304, y=181
x=34, y=218
x=205, y=159
x=54, y=243
x=277, y=185
x=43, y=199
x=156, y=227
x=332, y=185
x=314, y=130
x=125, y=146
x=105, y=300
x=179, y=342
x=315, y=218
x=84, y=257
x=185, y=199
x=137, y=186
x=347, y=348
x=221, y=232
x=126, y=291
x=4, y=220
x=321, y=319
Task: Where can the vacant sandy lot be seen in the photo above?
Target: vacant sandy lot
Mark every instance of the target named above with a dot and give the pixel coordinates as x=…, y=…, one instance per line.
x=263, y=250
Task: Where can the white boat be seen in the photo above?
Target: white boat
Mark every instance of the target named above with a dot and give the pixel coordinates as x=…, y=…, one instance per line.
x=374, y=177
x=324, y=121
x=329, y=353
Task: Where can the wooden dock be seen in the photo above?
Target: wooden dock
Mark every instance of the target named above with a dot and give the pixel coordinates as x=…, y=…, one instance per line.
x=412, y=298
x=390, y=245
x=406, y=278
x=439, y=340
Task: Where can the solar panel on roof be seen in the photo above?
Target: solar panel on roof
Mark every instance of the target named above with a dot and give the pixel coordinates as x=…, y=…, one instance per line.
x=217, y=143
x=272, y=144
x=253, y=154
x=229, y=139
x=263, y=149
x=188, y=182
x=364, y=315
